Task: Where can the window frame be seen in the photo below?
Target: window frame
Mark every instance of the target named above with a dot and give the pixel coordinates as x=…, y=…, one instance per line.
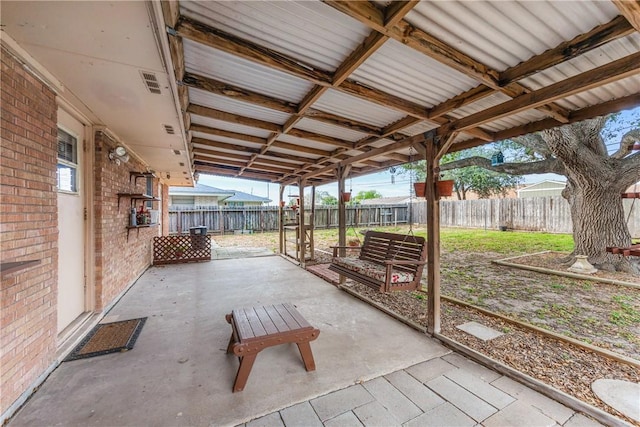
x=75, y=166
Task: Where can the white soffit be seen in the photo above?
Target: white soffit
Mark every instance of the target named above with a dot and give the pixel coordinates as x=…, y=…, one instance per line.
x=309, y=31
x=230, y=105
x=501, y=34
x=329, y=130
x=223, y=66
x=228, y=126
x=404, y=72
x=351, y=107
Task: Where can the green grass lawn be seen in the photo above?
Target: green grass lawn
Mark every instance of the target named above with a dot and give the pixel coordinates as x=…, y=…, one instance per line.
x=475, y=240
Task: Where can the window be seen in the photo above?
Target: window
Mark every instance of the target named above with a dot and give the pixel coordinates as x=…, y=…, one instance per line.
x=67, y=171
x=149, y=191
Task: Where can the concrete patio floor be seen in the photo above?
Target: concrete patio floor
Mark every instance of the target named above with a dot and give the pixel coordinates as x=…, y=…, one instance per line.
x=371, y=369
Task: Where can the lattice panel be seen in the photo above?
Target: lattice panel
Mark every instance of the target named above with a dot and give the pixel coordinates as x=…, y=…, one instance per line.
x=180, y=249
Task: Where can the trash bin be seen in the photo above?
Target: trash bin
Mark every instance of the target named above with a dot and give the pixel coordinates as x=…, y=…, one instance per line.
x=198, y=237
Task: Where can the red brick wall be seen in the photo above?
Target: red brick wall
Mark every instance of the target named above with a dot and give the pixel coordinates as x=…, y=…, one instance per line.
x=119, y=259
x=28, y=229
x=165, y=210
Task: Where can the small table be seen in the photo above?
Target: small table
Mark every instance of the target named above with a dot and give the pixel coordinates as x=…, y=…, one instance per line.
x=256, y=328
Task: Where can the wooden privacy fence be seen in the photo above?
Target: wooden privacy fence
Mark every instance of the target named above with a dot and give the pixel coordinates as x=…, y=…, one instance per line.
x=549, y=214
x=265, y=218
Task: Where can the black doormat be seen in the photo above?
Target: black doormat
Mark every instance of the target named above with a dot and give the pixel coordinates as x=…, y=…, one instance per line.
x=108, y=338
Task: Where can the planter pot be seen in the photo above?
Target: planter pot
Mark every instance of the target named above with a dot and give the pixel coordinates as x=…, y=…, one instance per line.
x=443, y=188
x=636, y=146
x=503, y=228
x=282, y=203
x=346, y=196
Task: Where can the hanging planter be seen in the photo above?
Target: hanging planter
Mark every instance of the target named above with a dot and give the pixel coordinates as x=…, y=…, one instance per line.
x=282, y=203
x=444, y=188
x=346, y=196
x=636, y=146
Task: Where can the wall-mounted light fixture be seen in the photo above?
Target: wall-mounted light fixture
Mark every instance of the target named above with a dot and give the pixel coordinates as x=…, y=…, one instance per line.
x=119, y=154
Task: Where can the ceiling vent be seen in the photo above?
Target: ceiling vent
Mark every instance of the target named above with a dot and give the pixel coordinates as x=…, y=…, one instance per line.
x=151, y=82
x=176, y=152
x=169, y=129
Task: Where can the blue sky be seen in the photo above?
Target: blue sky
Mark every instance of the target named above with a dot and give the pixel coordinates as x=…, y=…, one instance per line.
x=380, y=181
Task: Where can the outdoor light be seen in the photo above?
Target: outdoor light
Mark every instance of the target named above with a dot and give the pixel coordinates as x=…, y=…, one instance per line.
x=119, y=154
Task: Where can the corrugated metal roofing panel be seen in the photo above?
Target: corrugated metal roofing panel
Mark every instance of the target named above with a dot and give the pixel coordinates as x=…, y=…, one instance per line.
x=419, y=127
x=294, y=152
x=306, y=143
x=329, y=130
x=308, y=31
x=619, y=89
x=219, y=65
x=501, y=34
x=280, y=159
x=504, y=123
x=226, y=139
x=345, y=105
x=232, y=127
x=595, y=58
x=230, y=105
x=402, y=71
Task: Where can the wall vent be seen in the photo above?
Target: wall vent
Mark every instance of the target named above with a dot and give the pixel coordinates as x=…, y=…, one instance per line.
x=169, y=129
x=151, y=82
x=176, y=152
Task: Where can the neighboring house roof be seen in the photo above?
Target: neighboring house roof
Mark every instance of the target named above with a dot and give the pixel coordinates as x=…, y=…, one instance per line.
x=545, y=185
x=246, y=197
x=200, y=190
x=387, y=200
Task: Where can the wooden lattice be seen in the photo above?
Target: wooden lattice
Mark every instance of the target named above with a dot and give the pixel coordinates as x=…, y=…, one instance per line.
x=181, y=249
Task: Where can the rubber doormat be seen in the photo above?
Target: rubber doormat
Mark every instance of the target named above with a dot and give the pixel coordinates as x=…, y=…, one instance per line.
x=108, y=338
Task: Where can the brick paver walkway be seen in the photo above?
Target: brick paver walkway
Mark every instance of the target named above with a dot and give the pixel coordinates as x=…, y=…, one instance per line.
x=446, y=391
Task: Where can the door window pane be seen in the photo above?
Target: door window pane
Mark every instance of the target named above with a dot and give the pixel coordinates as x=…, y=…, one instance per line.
x=67, y=162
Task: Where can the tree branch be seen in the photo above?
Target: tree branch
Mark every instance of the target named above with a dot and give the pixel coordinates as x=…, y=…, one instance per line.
x=544, y=166
x=535, y=143
x=626, y=144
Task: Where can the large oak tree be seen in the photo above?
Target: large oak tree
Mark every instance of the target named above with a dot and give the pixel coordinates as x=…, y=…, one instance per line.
x=596, y=177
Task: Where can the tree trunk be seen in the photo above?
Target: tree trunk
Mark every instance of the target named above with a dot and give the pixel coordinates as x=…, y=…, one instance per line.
x=598, y=222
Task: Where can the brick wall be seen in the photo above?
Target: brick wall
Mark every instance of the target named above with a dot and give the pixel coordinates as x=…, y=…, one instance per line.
x=28, y=229
x=119, y=258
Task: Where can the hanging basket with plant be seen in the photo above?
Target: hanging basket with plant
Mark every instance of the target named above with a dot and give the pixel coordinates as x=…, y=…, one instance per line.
x=346, y=196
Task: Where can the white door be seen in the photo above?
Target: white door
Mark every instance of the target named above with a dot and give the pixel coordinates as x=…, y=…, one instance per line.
x=71, y=221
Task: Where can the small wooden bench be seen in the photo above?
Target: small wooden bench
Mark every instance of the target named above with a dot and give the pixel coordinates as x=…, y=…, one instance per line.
x=633, y=250
x=256, y=328
x=387, y=261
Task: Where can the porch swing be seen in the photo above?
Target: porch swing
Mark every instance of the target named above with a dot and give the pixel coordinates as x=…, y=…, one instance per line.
x=387, y=261
x=634, y=249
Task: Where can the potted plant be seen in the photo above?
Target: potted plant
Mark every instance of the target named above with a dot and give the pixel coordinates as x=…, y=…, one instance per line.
x=179, y=250
x=353, y=242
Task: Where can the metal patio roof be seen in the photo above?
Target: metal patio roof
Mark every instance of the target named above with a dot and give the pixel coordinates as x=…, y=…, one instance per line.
x=278, y=91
